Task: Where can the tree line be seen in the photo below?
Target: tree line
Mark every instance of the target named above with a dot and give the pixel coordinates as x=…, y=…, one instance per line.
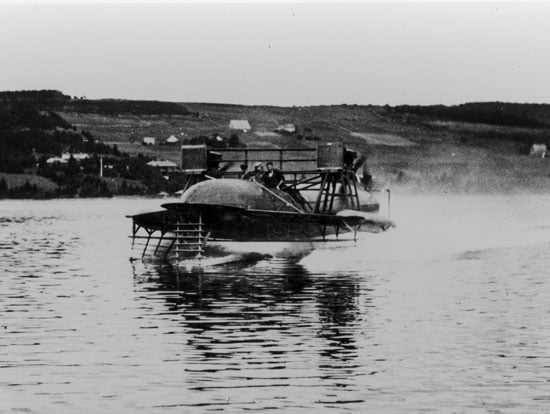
x=494, y=113
x=56, y=101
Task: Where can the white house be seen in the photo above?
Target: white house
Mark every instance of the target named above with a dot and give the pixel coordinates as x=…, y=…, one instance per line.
x=164, y=166
x=289, y=128
x=66, y=156
x=148, y=141
x=239, y=124
x=538, y=150
x=78, y=156
x=171, y=140
x=56, y=160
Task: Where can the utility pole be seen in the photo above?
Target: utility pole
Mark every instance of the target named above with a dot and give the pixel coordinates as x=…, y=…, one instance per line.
x=101, y=166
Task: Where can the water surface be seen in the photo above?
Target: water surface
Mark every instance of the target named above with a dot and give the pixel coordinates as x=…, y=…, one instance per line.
x=450, y=312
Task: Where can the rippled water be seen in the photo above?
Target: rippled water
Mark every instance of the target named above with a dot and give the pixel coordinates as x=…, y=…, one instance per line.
x=450, y=312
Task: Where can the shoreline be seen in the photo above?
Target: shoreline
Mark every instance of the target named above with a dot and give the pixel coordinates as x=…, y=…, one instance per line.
x=379, y=194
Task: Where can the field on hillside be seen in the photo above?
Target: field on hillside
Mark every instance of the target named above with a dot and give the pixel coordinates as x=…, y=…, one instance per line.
x=330, y=123
x=404, y=151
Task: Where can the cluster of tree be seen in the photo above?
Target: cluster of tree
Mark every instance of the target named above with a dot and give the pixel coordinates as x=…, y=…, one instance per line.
x=495, y=113
x=26, y=190
x=25, y=132
x=115, y=107
x=29, y=137
x=520, y=141
x=75, y=177
x=306, y=134
x=130, y=189
x=19, y=148
x=22, y=115
x=93, y=186
x=77, y=186
x=216, y=141
x=31, y=132
x=15, y=163
x=57, y=101
x=34, y=96
x=136, y=168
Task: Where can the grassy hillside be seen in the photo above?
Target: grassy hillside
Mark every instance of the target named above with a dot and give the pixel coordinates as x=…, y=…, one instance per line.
x=471, y=147
x=410, y=148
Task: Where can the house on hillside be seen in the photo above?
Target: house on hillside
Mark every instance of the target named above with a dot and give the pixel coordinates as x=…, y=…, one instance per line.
x=239, y=124
x=78, y=156
x=288, y=128
x=66, y=156
x=164, y=166
x=172, y=140
x=56, y=160
x=148, y=141
x=538, y=150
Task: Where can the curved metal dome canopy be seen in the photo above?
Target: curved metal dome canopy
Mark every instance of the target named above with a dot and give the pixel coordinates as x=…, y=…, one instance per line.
x=238, y=193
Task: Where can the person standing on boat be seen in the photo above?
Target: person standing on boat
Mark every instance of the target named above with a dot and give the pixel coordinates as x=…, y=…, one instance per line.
x=273, y=178
x=255, y=175
x=367, y=178
x=244, y=172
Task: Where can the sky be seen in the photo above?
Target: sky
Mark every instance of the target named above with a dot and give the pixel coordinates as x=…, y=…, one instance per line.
x=281, y=54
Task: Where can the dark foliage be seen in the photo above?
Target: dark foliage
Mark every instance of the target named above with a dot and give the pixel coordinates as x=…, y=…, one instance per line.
x=26, y=116
x=27, y=190
x=24, y=131
x=93, y=186
x=495, y=113
x=216, y=141
x=115, y=107
x=56, y=101
x=129, y=189
x=519, y=142
x=41, y=96
x=29, y=137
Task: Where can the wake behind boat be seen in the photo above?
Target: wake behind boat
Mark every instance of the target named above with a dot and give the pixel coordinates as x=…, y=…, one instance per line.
x=220, y=219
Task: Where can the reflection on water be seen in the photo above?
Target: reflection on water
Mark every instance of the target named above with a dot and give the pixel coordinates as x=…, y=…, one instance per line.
x=449, y=312
x=264, y=328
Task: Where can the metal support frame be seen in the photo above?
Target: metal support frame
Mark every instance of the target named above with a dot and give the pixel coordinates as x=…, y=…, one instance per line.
x=329, y=191
x=149, y=234
x=162, y=233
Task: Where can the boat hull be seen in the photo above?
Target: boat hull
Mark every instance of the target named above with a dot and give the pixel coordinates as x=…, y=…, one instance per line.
x=235, y=218
x=219, y=251
x=275, y=248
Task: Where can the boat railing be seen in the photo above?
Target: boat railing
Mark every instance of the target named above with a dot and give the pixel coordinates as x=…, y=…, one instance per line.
x=285, y=159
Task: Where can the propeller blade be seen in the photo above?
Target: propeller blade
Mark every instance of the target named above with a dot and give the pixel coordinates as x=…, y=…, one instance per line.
x=227, y=166
x=359, y=162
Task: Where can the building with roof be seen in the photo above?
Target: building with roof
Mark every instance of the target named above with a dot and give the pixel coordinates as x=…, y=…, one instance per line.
x=148, y=141
x=288, y=128
x=164, y=166
x=239, y=124
x=56, y=160
x=538, y=150
x=172, y=140
x=66, y=156
x=78, y=156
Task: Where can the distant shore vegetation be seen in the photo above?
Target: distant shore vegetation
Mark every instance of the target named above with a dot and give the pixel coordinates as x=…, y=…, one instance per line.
x=31, y=133
x=44, y=132
x=492, y=113
x=57, y=101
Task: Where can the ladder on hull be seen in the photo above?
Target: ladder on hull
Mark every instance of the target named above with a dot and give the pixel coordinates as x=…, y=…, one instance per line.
x=189, y=238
